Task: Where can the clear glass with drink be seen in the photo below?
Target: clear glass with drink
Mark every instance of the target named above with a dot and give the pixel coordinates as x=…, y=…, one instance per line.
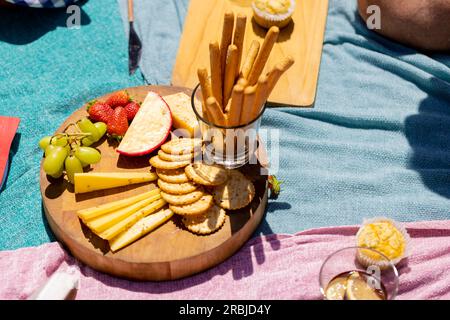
x=343, y=277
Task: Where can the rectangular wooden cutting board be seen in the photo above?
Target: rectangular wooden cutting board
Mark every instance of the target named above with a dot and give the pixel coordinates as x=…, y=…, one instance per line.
x=302, y=39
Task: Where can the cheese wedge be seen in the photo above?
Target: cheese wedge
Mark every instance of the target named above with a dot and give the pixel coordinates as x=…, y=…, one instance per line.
x=94, y=212
x=149, y=129
x=121, y=226
x=92, y=181
x=183, y=117
x=140, y=229
x=106, y=221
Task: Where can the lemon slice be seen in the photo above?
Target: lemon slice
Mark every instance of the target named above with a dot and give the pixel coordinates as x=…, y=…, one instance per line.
x=336, y=288
x=359, y=289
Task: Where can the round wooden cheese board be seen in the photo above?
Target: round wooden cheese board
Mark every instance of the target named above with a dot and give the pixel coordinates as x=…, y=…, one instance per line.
x=167, y=253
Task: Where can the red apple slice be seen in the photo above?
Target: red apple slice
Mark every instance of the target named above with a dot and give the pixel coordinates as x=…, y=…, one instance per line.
x=149, y=129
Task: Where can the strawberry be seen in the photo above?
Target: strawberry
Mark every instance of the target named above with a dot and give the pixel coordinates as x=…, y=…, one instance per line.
x=118, y=123
x=118, y=99
x=132, y=108
x=99, y=111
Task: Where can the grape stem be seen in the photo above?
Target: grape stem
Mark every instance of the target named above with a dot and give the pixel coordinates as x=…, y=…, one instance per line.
x=71, y=124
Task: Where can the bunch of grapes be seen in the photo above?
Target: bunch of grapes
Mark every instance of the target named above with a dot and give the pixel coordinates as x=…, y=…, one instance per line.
x=71, y=151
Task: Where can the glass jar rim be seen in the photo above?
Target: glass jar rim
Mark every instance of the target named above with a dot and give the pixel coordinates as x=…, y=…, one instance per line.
x=220, y=126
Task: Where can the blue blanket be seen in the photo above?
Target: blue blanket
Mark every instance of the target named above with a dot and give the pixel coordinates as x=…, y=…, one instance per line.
x=376, y=142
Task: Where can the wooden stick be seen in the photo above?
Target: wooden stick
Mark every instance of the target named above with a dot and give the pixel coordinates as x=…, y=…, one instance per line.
x=247, y=105
x=263, y=55
x=249, y=60
x=215, y=111
x=130, y=11
x=238, y=40
x=234, y=113
x=227, y=36
x=205, y=85
x=275, y=74
x=230, y=72
x=216, y=71
x=261, y=96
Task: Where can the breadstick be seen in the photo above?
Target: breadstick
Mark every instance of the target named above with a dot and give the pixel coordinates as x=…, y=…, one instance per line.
x=216, y=71
x=215, y=111
x=247, y=105
x=238, y=40
x=275, y=74
x=249, y=60
x=243, y=83
x=230, y=72
x=261, y=95
x=205, y=85
x=263, y=55
x=227, y=36
x=234, y=113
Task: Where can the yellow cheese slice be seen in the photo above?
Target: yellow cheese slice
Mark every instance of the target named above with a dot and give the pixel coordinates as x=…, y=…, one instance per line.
x=92, y=181
x=140, y=229
x=183, y=117
x=90, y=213
x=121, y=226
x=106, y=221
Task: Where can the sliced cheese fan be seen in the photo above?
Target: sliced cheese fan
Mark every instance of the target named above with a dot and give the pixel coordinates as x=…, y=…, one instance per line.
x=140, y=228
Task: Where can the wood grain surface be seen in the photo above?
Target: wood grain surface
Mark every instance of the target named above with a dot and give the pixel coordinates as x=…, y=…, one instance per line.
x=302, y=39
x=169, y=252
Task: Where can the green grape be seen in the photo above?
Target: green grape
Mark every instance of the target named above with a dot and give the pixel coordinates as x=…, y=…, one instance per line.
x=84, y=164
x=59, y=174
x=61, y=141
x=101, y=127
x=88, y=155
x=87, y=126
x=50, y=148
x=54, y=161
x=87, y=141
x=73, y=165
x=44, y=142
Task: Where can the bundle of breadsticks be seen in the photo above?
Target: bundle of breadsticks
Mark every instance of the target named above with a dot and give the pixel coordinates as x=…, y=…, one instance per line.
x=236, y=92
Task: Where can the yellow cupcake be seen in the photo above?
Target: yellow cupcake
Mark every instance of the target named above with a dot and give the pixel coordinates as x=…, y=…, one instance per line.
x=269, y=13
x=385, y=236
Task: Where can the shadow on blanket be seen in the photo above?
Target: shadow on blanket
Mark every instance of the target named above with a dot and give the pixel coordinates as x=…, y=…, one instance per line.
x=428, y=133
x=21, y=25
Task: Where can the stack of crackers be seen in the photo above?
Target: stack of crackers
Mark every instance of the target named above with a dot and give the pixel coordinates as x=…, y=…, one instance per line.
x=236, y=93
x=198, y=192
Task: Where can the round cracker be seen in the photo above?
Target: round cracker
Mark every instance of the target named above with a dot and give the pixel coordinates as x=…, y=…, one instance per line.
x=181, y=146
x=176, y=188
x=236, y=193
x=197, y=207
x=191, y=174
x=206, y=223
x=173, y=176
x=214, y=174
x=182, y=199
x=175, y=157
x=158, y=163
